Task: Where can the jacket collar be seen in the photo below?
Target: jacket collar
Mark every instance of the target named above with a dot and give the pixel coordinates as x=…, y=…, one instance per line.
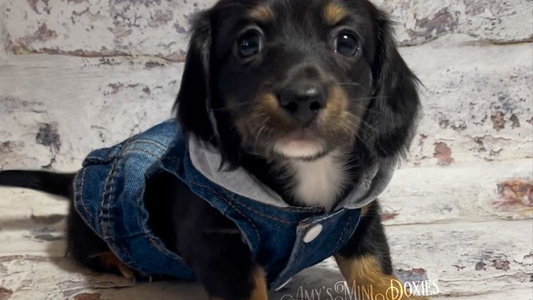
x=206, y=159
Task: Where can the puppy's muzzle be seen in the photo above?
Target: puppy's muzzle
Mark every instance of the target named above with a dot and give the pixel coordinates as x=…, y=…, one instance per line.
x=303, y=100
x=304, y=94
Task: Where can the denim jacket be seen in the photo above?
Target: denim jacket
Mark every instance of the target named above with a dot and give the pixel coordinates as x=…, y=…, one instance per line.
x=283, y=239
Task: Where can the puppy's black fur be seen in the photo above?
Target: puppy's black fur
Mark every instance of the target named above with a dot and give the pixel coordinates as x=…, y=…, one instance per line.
x=359, y=98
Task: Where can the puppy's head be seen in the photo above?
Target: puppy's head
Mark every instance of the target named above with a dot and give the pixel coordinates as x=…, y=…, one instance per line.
x=296, y=80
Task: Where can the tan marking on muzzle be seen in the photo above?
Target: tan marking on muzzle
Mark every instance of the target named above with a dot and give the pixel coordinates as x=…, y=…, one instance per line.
x=269, y=101
x=337, y=102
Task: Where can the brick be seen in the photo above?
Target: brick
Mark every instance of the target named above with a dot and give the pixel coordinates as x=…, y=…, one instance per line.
x=491, y=21
x=160, y=28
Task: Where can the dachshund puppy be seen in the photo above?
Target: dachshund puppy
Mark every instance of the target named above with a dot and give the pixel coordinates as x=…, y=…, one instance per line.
x=291, y=117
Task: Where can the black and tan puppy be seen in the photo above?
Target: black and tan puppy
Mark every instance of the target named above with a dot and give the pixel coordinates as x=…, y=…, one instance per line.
x=307, y=96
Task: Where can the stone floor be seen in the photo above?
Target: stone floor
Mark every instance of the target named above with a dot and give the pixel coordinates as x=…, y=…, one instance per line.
x=468, y=228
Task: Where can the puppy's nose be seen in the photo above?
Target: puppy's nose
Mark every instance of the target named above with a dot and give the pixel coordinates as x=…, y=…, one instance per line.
x=303, y=102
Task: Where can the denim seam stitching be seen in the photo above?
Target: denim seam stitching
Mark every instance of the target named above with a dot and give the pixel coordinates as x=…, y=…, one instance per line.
x=267, y=216
x=235, y=208
x=158, y=247
x=83, y=204
x=341, y=237
x=108, y=188
x=111, y=190
x=161, y=147
x=82, y=216
x=108, y=202
x=166, y=252
x=128, y=151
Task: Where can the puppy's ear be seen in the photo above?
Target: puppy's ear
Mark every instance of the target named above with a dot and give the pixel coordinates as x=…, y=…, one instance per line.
x=394, y=111
x=192, y=103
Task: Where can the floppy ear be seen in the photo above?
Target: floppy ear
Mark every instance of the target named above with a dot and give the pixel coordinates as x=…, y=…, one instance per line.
x=394, y=111
x=193, y=101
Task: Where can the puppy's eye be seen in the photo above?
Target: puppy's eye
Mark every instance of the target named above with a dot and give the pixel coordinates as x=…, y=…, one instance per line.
x=250, y=43
x=346, y=44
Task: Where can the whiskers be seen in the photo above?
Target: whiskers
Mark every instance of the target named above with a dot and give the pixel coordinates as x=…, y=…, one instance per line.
x=262, y=128
x=354, y=84
x=261, y=125
x=362, y=99
x=230, y=108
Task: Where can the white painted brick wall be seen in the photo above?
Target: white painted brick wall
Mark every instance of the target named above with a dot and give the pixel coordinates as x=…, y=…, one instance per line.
x=92, y=73
x=485, y=20
x=159, y=28
x=3, y=33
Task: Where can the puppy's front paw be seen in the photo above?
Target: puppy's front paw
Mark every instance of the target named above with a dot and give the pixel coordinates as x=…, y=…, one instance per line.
x=111, y=263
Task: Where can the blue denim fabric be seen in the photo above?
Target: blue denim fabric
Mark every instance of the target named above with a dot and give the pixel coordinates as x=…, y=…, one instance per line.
x=109, y=197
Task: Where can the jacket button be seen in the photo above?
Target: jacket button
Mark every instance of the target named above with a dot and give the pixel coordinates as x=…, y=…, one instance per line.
x=312, y=233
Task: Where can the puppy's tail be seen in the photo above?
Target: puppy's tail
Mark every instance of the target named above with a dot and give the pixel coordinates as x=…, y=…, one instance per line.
x=48, y=182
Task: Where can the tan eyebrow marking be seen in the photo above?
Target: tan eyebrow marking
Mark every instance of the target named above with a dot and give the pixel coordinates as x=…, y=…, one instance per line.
x=261, y=13
x=334, y=13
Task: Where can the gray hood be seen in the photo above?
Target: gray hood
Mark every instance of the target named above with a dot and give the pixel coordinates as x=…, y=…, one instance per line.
x=207, y=160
